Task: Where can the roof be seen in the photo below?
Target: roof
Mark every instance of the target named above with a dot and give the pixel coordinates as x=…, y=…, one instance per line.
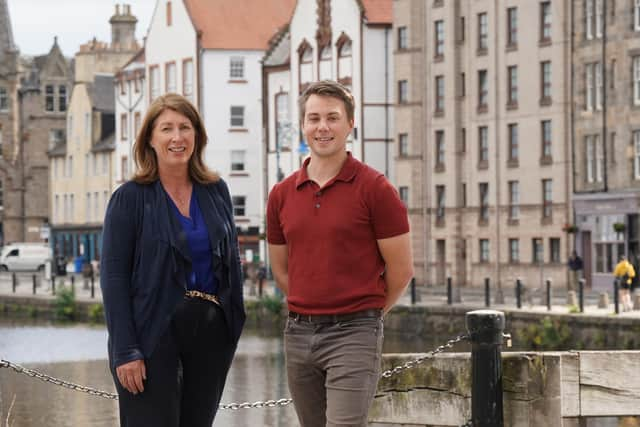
x=101, y=93
x=378, y=11
x=278, y=53
x=239, y=24
x=108, y=143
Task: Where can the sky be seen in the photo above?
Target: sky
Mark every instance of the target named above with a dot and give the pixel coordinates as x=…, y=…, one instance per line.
x=75, y=22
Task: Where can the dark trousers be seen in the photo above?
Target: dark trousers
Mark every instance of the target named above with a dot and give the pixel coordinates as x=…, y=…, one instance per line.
x=186, y=372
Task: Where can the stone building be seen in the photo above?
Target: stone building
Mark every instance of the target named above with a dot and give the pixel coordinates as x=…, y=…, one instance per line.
x=34, y=95
x=606, y=150
x=483, y=138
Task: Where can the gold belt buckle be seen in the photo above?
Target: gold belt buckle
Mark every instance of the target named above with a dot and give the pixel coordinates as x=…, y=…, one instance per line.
x=204, y=296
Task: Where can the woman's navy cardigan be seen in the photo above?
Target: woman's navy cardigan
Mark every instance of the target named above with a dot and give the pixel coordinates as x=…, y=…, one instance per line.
x=144, y=260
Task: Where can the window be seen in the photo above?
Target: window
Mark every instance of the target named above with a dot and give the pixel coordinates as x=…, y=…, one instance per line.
x=236, y=68
x=513, y=141
x=237, y=116
x=62, y=98
x=598, y=86
x=514, y=200
x=306, y=64
x=403, y=41
x=463, y=190
x=239, y=203
x=187, y=79
x=483, y=32
x=283, y=125
x=439, y=39
x=636, y=15
x=484, y=250
x=636, y=154
x=49, y=98
x=403, y=192
x=463, y=140
x=545, y=81
x=554, y=250
x=123, y=127
x=483, y=91
x=344, y=62
x=545, y=130
x=154, y=82
x=512, y=82
x=137, y=120
x=483, y=144
x=636, y=80
x=440, y=148
x=237, y=161
x=403, y=92
x=324, y=64
x=463, y=85
x=588, y=17
x=4, y=99
x=593, y=18
x=484, y=200
x=599, y=163
x=56, y=136
x=512, y=27
x=440, y=195
x=403, y=144
x=537, y=251
x=546, y=198
x=168, y=14
x=514, y=250
x=461, y=34
x=170, y=76
x=439, y=107
x=545, y=21
x=590, y=158
x=599, y=17
x=124, y=168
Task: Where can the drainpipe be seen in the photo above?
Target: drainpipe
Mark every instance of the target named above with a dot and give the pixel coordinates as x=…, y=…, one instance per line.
x=23, y=187
x=386, y=102
x=603, y=73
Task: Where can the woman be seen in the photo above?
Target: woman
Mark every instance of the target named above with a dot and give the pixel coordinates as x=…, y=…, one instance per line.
x=170, y=276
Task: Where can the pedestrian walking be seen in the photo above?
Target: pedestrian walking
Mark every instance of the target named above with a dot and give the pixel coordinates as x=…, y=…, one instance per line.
x=340, y=251
x=575, y=270
x=624, y=273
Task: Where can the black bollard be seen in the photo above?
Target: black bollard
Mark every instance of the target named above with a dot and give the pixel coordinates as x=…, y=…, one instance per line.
x=34, y=283
x=548, y=294
x=413, y=291
x=93, y=287
x=260, y=285
x=53, y=286
x=485, y=328
x=518, y=293
x=14, y=282
x=73, y=284
x=487, y=292
x=449, y=291
x=616, y=297
x=581, y=294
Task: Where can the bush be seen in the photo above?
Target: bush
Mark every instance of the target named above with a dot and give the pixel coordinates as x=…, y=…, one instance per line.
x=272, y=303
x=96, y=313
x=549, y=335
x=65, y=304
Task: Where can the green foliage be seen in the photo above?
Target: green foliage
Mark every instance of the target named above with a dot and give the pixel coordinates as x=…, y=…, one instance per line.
x=574, y=309
x=65, y=304
x=273, y=304
x=96, y=313
x=547, y=334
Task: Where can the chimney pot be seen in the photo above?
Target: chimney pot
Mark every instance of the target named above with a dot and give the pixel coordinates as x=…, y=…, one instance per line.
x=117, y=10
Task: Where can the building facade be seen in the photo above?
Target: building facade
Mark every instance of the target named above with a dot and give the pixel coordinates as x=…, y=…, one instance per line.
x=34, y=95
x=606, y=150
x=487, y=177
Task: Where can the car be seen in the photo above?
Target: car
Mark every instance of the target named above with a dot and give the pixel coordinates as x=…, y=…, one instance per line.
x=24, y=257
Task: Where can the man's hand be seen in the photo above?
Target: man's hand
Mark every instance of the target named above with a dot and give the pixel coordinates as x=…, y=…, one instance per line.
x=132, y=375
x=396, y=252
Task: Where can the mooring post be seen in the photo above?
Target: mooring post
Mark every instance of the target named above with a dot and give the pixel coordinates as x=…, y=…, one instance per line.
x=14, y=282
x=449, y=291
x=548, y=294
x=616, y=296
x=518, y=293
x=73, y=284
x=485, y=328
x=487, y=292
x=33, y=281
x=581, y=294
x=93, y=287
x=413, y=291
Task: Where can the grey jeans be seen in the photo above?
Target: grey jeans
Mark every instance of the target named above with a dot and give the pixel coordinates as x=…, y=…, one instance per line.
x=333, y=370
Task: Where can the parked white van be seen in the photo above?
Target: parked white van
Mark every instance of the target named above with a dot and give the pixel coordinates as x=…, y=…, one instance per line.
x=24, y=257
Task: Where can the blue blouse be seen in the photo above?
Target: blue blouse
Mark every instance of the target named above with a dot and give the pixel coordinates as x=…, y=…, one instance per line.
x=201, y=277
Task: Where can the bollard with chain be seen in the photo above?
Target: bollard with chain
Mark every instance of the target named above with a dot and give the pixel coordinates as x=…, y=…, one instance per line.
x=449, y=291
x=486, y=332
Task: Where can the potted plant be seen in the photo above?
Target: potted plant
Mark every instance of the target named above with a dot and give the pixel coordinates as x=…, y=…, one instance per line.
x=619, y=227
x=570, y=228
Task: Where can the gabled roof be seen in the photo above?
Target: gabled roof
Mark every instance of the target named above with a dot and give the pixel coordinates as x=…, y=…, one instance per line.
x=378, y=11
x=238, y=24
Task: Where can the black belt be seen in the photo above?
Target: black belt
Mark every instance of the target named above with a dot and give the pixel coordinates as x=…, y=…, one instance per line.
x=335, y=318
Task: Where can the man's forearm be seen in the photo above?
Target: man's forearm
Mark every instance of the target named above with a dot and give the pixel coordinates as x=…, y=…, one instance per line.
x=396, y=283
x=282, y=282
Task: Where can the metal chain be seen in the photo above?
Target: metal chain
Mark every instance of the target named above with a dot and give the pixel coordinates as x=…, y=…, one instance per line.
x=412, y=363
x=233, y=406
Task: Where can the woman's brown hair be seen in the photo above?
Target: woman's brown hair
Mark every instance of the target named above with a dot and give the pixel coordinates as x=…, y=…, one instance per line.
x=145, y=157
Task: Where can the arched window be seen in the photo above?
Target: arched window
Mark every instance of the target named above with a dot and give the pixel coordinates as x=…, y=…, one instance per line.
x=305, y=73
x=324, y=64
x=345, y=60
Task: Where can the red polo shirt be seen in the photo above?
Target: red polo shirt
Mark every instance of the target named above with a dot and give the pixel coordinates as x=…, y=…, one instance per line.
x=331, y=235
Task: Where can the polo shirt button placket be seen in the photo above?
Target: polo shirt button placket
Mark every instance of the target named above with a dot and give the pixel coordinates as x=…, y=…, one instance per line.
x=318, y=194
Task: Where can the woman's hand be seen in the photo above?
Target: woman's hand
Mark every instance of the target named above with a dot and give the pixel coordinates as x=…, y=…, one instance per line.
x=131, y=375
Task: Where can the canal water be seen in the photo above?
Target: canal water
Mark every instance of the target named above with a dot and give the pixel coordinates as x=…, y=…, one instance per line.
x=77, y=353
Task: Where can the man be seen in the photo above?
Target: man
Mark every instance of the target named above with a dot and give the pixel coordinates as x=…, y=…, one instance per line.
x=340, y=251
x=575, y=266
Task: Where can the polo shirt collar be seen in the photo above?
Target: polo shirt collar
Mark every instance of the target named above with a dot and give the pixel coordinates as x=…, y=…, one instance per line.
x=346, y=174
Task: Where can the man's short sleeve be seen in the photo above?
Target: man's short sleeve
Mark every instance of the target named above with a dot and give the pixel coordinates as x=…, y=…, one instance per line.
x=388, y=212
x=275, y=234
